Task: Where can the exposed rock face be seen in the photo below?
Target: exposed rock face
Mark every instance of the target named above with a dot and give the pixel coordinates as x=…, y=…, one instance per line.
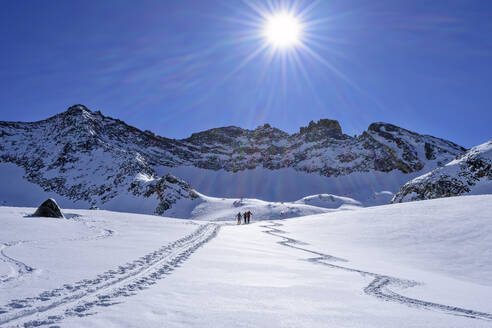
x=84, y=155
x=49, y=209
x=168, y=190
x=320, y=147
x=323, y=129
x=469, y=174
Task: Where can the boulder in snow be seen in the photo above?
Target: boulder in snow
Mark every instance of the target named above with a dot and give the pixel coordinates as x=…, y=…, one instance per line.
x=49, y=209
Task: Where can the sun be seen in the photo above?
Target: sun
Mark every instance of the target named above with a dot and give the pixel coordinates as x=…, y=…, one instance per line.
x=282, y=30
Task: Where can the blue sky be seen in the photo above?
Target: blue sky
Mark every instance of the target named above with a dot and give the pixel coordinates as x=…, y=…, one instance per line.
x=177, y=67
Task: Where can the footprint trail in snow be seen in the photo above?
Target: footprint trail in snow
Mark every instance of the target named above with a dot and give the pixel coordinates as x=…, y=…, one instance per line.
x=380, y=285
x=19, y=269
x=107, y=288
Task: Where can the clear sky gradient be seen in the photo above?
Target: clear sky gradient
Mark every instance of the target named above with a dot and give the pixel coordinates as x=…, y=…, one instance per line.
x=177, y=67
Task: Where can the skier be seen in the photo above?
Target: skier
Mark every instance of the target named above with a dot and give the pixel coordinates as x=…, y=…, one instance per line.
x=249, y=215
x=245, y=217
x=239, y=218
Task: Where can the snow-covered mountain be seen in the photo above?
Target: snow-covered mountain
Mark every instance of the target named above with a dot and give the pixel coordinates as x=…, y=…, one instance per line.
x=320, y=147
x=86, y=157
x=469, y=174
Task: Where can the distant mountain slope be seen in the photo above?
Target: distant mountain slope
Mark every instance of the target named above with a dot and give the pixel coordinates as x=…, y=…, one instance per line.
x=322, y=148
x=86, y=156
x=469, y=174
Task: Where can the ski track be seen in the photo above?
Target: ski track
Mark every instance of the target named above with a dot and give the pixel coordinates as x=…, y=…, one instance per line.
x=380, y=285
x=20, y=269
x=17, y=268
x=106, y=289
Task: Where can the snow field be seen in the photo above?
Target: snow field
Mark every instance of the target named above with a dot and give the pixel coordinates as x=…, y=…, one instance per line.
x=420, y=264
x=69, y=250
x=245, y=278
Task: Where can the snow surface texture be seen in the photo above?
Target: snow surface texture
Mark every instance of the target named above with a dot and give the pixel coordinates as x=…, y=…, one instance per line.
x=115, y=257
x=94, y=160
x=223, y=209
x=471, y=174
x=418, y=264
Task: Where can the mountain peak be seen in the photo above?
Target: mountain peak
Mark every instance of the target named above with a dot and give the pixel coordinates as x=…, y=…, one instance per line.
x=322, y=129
x=77, y=109
x=268, y=131
x=382, y=127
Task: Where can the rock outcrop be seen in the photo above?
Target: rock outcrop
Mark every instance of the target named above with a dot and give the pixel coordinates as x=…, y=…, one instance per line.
x=168, y=190
x=50, y=209
x=469, y=174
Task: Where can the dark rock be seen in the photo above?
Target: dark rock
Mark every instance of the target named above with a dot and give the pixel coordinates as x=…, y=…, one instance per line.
x=429, y=151
x=225, y=135
x=49, y=209
x=168, y=190
x=454, y=179
x=77, y=108
x=324, y=128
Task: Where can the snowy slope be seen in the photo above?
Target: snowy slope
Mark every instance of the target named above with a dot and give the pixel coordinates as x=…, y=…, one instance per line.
x=68, y=155
x=40, y=254
x=90, y=159
x=471, y=174
x=419, y=264
x=223, y=209
x=435, y=256
x=451, y=236
x=141, y=193
x=329, y=201
x=200, y=206
x=288, y=184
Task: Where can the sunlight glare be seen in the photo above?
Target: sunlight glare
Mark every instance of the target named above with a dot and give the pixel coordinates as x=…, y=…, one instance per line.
x=282, y=30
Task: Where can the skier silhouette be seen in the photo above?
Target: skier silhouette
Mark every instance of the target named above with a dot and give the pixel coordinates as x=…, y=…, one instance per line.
x=249, y=215
x=239, y=218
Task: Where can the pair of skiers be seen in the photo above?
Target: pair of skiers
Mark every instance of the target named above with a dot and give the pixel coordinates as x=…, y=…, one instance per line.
x=246, y=217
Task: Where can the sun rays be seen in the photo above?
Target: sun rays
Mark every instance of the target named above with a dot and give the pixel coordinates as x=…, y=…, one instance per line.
x=287, y=32
x=283, y=30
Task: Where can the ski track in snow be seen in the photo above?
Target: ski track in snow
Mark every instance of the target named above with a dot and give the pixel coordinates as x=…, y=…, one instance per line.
x=106, y=289
x=380, y=286
x=19, y=269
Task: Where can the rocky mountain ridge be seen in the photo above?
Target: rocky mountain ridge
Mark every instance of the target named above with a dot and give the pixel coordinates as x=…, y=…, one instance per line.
x=471, y=173
x=85, y=155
